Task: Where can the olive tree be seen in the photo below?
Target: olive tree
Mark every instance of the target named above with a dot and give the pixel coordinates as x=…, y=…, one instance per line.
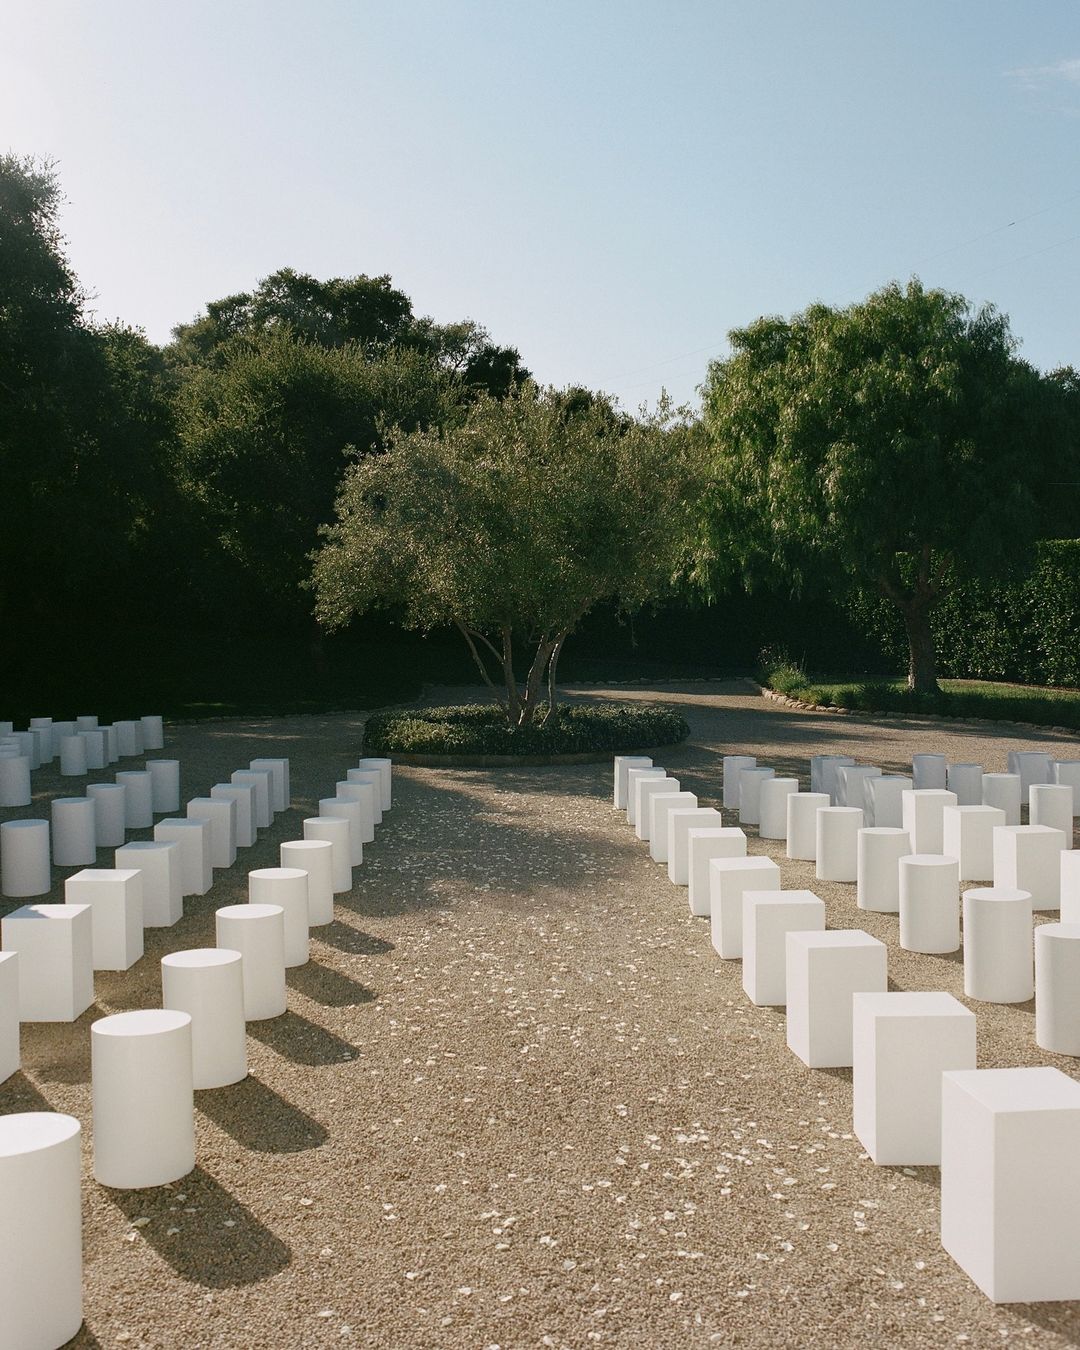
x=510, y=526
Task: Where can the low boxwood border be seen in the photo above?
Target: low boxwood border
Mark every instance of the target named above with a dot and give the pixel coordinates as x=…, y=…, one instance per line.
x=582, y=733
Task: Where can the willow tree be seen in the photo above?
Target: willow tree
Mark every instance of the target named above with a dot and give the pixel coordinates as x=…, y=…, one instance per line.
x=893, y=445
x=510, y=526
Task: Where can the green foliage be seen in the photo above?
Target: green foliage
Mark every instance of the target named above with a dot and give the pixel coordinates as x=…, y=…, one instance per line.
x=479, y=729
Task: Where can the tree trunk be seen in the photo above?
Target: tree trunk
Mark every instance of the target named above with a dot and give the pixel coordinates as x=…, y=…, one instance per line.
x=553, y=660
x=922, y=656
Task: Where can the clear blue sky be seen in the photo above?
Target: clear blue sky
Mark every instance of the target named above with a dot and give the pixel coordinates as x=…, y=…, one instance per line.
x=609, y=185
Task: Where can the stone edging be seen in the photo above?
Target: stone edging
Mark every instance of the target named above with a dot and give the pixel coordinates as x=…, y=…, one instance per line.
x=518, y=761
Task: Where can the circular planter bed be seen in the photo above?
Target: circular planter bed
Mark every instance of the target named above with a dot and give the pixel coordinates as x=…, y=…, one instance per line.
x=476, y=735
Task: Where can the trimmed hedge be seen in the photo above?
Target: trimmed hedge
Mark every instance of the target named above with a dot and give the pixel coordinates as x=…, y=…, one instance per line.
x=480, y=729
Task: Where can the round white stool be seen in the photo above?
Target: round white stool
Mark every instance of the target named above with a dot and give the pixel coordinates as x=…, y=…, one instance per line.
x=316, y=858
x=1003, y=791
x=207, y=983
x=112, y=745
x=287, y=887
x=110, y=812
x=877, y=872
x=95, y=748
x=367, y=794
x=24, y=858
x=48, y=744
x=127, y=739
x=802, y=809
x=929, y=903
x=74, y=831
x=335, y=830
x=373, y=779
x=139, y=802
x=732, y=768
x=40, y=1230
x=385, y=768
x=257, y=932
x=153, y=736
x=772, y=806
x=343, y=809
x=72, y=757
x=1057, y=987
x=15, y=781
x=750, y=781
x=837, y=842
x=86, y=722
x=929, y=771
x=144, y=1104
x=1052, y=804
x=164, y=786
x=966, y=781
x=30, y=745
x=997, y=945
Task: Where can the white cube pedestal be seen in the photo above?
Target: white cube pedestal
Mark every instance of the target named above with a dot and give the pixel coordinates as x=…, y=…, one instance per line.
x=1057, y=988
x=207, y=983
x=768, y=917
x=822, y=776
x=661, y=805
x=286, y=887
x=56, y=960
x=643, y=792
x=830, y=775
x=750, y=781
x=968, y=836
x=1033, y=766
x=367, y=795
x=902, y=1043
x=1052, y=804
x=74, y=831
x=144, y=1104
x=386, y=769
x=1010, y=1181
x=159, y=862
x=877, y=878
x=997, y=945
x=138, y=799
x=1003, y=791
x=40, y=1229
x=316, y=858
x=680, y=822
x=772, y=807
x=966, y=781
x=929, y=772
x=164, y=785
x=244, y=797
x=193, y=836
x=802, y=809
x=73, y=757
x=342, y=808
x=732, y=767
x=110, y=813
x=1027, y=858
x=86, y=722
x=623, y=765
x=259, y=780
x=837, y=844
x=334, y=829
x=112, y=745
x=221, y=813
x=632, y=776
x=924, y=818
x=929, y=903
x=24, y=858
x=1070, y=885
x=851, y=780
x=10, y=1056
x=38, y=724
x=370, y=778
x=728, y=879
x=257, y=932
x=884, y=801
x=705, y=843
x=280, y=792
x=824, y=970
x=116, y=914
x=1067, y=771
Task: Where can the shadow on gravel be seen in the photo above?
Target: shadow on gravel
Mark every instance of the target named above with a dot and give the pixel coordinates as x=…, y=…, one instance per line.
x=83, y=1340
x=207, y=1236
x=294, y=1037
x=259, y=1119
x=19, y=1093
x=352, y=940
x=323, y=985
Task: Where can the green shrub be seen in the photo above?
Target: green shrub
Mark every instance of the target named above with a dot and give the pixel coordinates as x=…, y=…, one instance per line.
x=481, y=729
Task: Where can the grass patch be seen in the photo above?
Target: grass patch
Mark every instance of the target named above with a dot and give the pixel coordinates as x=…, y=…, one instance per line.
x=480, y=729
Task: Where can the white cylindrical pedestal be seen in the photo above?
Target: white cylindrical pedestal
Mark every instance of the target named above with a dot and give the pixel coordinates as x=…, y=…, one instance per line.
x=74, y=832
x=316, y=858
x=342, y=809
x=139, y=802
x=95, y=748
x=288, y=888
x=153, y=736
x=929, y=903
x=1057, y=987
x=112, y=744
x=30, y=745
x=144, y=1105
x=336, y=830
x=880, y=848
x=46, y=743
x=367, y=794
x=823, y=771
x=851, y=780
x=772, y=806
x=373, y=779
x=72, y=757
x=997, y=945
x=1052, y=804
x=750, y=781
x=257, y=932
x=40, y=1230
x=110, y=812
x=1003, y=791
x=966, y=781
x=164, y=786
x=207, y=983
x=929, y=771
x=86, y=722
x=385, y=768
x=802, y=809
x=1033, y=766
x=127, y=739
x=837, y=843
x=24, y=858
x=15, y=781
x=732, y=768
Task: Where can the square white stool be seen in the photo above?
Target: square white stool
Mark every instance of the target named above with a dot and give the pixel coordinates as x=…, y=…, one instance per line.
x=851, y=780
x=661, y=805
x=632, y=776
x=1033, y=766
x=1010, y=1181
x=159, y=862
x=1067, y=771
x=966, y=781
x=902, y=1043
x=824, y=970
x=877, y=879
x=837, y=845
x=259, y=779
x=1052, y=804
x=884, y=800
x=820, y=780
x=10, y=1057
x=221, y=813
x=968, y=836
x=643, y=791
x=802, y=809
x=1026, y=858
x=278, y=769
x=116, y=913
x=623, y=765
x=680, y=822
x=924, y=817
x=929, y=772
x=768, y=917
x=243, y=794
x=728, y=878
x=1003, y=790
x=830, y=775
x=772, y=807
x=1070, y=885
x=704, y=843
x=733, y=766
x=750, y=781
x=193, y=836
x=56, y=960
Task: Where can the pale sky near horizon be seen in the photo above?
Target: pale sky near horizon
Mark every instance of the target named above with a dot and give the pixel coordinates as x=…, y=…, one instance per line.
x=608, y=185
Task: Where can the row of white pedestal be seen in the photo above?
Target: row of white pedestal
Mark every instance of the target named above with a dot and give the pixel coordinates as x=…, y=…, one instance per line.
x=82, y=746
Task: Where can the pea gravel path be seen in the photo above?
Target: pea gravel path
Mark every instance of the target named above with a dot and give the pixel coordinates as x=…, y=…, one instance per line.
x=517, y=1100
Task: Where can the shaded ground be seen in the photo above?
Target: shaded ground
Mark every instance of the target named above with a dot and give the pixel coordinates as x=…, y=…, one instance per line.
x=517, y=1100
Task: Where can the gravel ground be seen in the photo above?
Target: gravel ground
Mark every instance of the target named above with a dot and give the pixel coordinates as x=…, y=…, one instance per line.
x=517, y=1100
